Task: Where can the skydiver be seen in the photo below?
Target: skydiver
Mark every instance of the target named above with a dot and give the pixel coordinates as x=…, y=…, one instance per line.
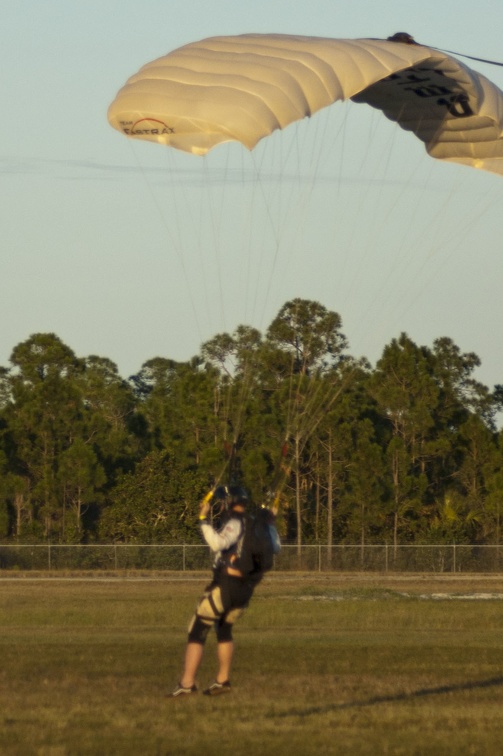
x=224, y=599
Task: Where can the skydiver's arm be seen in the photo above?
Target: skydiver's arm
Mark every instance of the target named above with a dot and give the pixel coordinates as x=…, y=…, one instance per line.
x=223, y=539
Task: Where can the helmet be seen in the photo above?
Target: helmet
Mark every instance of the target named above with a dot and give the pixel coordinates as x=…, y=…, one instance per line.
x=230, y=496
x=237, y=495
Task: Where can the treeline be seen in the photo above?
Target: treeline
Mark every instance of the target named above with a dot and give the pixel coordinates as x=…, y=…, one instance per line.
x=406, y=452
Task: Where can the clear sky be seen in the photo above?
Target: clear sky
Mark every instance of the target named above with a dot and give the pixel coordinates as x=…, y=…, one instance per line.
x=129, y=253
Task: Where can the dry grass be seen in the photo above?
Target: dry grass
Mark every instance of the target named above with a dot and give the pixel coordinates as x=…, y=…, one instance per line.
x=334, y=664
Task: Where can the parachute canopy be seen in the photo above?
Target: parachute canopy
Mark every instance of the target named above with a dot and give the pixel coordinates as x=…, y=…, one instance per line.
x=245, y=87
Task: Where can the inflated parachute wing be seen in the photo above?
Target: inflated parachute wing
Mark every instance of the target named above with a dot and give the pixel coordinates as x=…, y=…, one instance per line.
x=243, y=88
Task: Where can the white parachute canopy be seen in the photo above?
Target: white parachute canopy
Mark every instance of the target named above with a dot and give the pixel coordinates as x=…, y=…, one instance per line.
x=245, y=87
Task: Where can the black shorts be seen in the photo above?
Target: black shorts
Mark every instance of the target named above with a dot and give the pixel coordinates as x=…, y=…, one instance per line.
x=223, y=602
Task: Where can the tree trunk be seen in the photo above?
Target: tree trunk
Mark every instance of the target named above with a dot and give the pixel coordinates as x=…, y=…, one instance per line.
x=18, y=506
x=298, y=508
x=330, y=503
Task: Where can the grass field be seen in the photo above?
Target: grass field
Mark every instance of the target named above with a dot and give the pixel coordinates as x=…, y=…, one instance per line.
x=324, y=665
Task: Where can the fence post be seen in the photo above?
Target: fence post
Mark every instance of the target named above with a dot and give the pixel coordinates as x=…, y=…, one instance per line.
x=386, y=557
x=454, y=557
x=49, y=555
x=115, y=555
x=183, y=561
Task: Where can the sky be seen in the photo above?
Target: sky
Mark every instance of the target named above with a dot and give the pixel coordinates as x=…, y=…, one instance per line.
x=128, y=252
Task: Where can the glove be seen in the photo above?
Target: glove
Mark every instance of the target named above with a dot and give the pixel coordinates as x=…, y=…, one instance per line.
x=204, y=508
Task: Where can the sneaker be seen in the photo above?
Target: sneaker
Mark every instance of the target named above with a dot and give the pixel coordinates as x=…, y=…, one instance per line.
x=181, y=691
x=217, y=689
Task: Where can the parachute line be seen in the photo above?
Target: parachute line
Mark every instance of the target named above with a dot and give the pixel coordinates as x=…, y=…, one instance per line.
x=176, y=242
x=469, y=57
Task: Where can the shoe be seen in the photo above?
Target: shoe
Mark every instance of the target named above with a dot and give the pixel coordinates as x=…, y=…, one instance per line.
x=216, y=689
x=181, y=691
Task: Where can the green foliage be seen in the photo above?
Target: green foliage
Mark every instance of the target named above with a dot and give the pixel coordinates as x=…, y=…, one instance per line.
x=65, y=438
x=404, y=452
x=155, y=503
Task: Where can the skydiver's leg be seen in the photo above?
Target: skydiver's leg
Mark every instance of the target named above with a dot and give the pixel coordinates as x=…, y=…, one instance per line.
x=225, y=652
x=225, y=644
x=208, y=612
x=193, y=658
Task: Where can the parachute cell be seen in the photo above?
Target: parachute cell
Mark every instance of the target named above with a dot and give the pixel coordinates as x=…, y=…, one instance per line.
x=243, y=88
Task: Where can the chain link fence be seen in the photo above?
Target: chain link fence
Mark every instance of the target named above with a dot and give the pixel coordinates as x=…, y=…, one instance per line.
x=187, y=558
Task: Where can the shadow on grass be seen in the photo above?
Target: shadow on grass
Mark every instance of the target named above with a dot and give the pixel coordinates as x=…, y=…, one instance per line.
x=421, y=693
